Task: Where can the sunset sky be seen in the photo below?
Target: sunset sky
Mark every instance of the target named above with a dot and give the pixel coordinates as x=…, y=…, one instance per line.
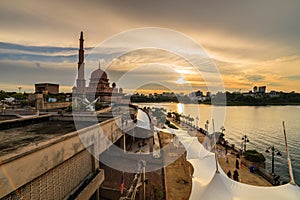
x=250, y=42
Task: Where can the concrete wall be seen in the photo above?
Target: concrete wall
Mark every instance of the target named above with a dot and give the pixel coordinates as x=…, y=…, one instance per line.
x=20, y=111
x=83, y=117
x=8, y=117
x=48, y=106
x=60, y=164
x=12, y=123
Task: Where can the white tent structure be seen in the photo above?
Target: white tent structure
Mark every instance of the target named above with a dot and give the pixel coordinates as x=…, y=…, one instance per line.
x=208, y=184
x=143, y=120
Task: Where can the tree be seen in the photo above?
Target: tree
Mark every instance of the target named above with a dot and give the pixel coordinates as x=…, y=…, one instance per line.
x=254, y=156
x=19, y=96
x=3, y=95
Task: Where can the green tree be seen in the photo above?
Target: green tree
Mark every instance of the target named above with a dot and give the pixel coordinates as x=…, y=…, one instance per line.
x=254, y=156
x=19, y=96
x=3, y=95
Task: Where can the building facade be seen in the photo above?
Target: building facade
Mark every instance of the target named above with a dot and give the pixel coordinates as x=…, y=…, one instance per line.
x=58, y=168
x=50, y=88
x=99, y=85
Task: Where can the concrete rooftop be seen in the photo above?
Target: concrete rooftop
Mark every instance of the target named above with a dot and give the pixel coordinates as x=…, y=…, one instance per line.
x=14, y=138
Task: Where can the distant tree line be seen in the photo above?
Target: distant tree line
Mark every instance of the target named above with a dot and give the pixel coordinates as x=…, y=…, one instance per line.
x=17, y=96
x=281, y=98
x=227, y=98
x=141, y=98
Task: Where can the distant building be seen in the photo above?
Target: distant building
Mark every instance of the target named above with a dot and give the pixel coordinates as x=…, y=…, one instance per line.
x=255, y=89
x=168, y=94
x=50, y=88
x=273, y=94
x=181, y=94
x=99, y=85
x=262, y=89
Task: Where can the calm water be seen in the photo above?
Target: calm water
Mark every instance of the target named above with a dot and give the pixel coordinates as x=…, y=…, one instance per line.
x=263, y=126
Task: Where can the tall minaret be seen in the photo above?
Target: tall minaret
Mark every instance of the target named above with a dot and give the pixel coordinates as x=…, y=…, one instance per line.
x=80, y=78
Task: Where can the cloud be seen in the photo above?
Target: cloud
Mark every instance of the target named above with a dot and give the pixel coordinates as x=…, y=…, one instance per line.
x=15, y=52
x=37, y=49
x=255, y=78
x=249, y=41
x=28, y=73
x=294, y=77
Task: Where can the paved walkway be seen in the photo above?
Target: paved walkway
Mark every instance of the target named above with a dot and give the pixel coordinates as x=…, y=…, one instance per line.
x=178, y=182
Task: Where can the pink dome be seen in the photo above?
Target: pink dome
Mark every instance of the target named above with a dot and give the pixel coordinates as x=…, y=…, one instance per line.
x=98, y=74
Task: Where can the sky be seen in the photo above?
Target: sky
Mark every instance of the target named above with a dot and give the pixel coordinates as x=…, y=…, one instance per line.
x=249, y=42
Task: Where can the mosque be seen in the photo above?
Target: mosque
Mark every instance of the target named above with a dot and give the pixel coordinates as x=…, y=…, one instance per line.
x=99, y=85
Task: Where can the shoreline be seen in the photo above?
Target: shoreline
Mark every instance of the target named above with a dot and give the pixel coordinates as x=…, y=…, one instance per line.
x=246, y=176
x=230, y=104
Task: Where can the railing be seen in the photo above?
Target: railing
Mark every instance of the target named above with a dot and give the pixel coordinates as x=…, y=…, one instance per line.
x=138, y=181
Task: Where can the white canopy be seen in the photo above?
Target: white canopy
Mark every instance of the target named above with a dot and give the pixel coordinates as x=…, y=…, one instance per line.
x=143, y=120
x=209, y=185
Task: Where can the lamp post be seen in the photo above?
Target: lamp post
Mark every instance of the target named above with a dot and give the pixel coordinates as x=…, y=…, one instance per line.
x=206, y=125
x=274, y=150
x=222, y=129
x=222, y=136
x=19, y=89
x=244, y=143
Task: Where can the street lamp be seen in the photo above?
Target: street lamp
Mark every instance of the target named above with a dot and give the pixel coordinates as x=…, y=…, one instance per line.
x=206, y=125
x=244, y=143
x=274, y=150
x=222, y=136
x=222, y=129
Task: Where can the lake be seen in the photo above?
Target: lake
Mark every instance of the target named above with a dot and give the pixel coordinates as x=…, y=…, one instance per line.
x=261, y=124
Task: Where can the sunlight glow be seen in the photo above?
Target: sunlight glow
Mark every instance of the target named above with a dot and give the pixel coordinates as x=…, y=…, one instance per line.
x=181, y=81
x=180, y=108
x=183, y=71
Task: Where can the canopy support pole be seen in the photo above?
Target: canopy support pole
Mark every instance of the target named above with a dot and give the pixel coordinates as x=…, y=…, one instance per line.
x=292, y=181
x=215, y=143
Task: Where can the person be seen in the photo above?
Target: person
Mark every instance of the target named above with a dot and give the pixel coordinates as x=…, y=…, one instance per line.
x=237, y=164
x=140, y=145
x=229, y=174
x=277, y=180
x=130, y=147
x=226, y=147
x=227, y=161
x=236, y=175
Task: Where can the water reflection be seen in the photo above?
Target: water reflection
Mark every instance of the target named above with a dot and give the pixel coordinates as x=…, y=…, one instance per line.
x=262, y=124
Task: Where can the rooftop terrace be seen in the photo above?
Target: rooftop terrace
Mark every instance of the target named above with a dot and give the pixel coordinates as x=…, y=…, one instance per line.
x=16, y=133
x=15, y=138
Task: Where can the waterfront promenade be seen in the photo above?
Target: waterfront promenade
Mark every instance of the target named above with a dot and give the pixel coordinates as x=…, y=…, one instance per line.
x=245, y=176
x=183, y=170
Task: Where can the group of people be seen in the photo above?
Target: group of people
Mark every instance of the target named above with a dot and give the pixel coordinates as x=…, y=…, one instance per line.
x=235, y=172
x=235, y=175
